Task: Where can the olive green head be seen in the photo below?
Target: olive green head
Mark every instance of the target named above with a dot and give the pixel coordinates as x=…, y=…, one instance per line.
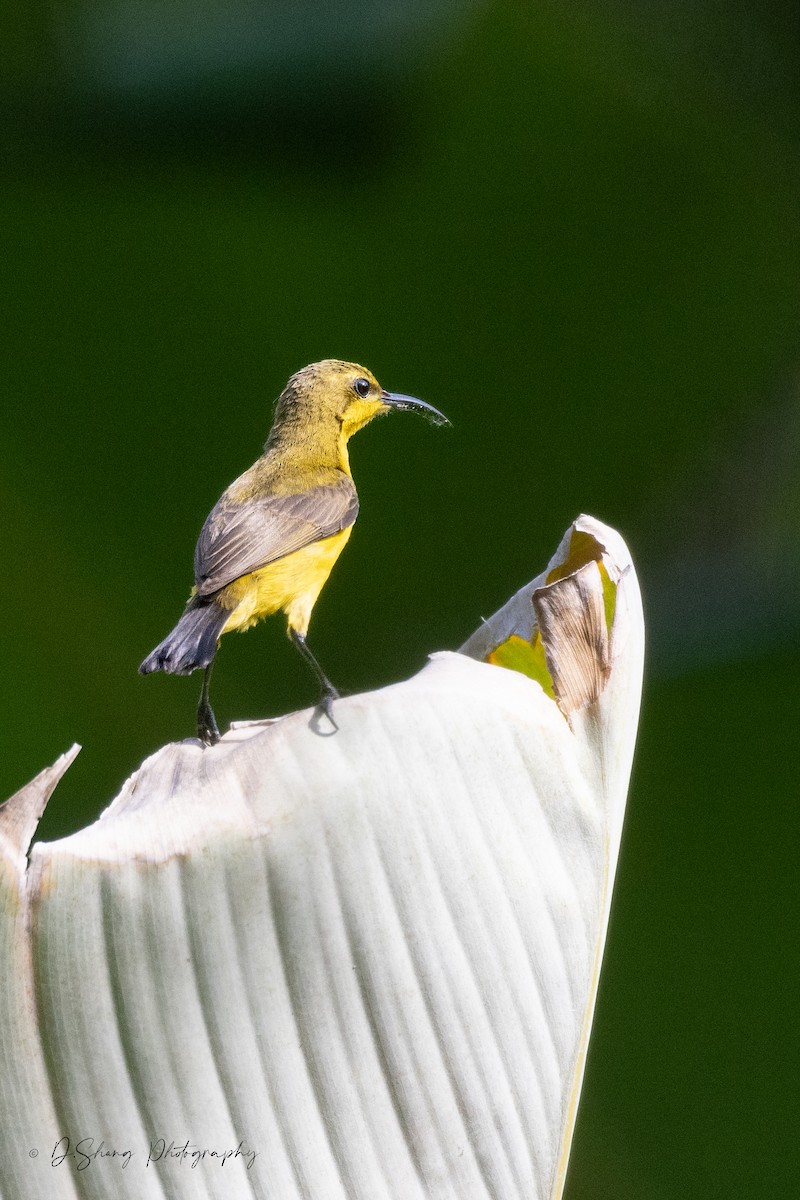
x=341, y=394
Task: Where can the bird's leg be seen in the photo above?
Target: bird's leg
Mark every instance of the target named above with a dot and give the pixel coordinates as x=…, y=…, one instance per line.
x=329, y=692
x=207, y=729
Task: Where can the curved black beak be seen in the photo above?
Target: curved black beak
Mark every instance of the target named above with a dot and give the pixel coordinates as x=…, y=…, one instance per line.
x=411, y=404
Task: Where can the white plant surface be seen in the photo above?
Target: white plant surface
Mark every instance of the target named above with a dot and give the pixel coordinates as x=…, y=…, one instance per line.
x=358, y=965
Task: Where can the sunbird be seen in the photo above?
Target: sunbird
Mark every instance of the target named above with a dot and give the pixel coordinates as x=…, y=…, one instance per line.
x=272, y=538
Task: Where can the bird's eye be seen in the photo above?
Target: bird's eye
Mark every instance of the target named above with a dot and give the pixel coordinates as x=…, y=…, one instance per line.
x=361, y=387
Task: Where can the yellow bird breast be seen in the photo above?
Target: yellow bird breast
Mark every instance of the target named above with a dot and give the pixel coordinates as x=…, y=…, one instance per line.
x=291, y=583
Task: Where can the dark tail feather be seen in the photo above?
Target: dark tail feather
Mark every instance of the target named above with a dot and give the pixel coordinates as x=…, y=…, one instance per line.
x=192, y=643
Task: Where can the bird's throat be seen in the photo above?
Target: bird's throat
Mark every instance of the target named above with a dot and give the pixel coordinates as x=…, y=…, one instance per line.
x=341, y=449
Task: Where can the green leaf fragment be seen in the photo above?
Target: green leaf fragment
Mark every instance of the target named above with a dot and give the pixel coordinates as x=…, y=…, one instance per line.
x=583, y=549
x=609, y=594
x=518, y=654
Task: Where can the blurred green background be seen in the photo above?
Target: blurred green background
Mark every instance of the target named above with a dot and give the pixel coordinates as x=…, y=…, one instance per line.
x=574, y=228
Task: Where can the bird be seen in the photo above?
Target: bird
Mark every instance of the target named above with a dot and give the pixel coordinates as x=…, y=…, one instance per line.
x=272, y=538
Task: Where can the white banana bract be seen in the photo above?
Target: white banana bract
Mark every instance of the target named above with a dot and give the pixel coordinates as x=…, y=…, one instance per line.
x=349, y=967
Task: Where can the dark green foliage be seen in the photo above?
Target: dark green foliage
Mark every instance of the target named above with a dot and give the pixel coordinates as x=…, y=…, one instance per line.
x=584, y=250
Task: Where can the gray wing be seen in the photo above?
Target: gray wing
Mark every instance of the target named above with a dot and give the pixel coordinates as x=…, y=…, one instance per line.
x=239, y=537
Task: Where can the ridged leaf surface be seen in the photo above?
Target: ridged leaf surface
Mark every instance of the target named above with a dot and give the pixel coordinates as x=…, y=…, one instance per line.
x=349, y=967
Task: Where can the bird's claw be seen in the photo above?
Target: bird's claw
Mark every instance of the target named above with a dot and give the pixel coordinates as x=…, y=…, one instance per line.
x=207, y=728
x=326, y=704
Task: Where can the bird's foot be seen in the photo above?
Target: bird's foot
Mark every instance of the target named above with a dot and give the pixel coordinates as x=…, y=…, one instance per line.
x=326, y=704
x=207, y=728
